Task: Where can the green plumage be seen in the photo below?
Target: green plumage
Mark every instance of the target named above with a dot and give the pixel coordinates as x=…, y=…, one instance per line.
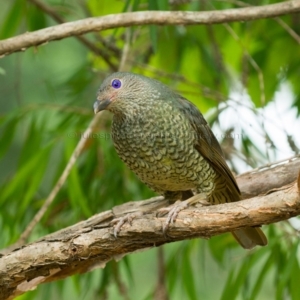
x=165, y=140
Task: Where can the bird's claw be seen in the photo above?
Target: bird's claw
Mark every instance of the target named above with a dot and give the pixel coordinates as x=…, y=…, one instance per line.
x=177, y=207
x=173, y=212
x=122, y=220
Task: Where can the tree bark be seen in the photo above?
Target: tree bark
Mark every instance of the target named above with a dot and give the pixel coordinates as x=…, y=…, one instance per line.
x=43, y=36
x=91, y=244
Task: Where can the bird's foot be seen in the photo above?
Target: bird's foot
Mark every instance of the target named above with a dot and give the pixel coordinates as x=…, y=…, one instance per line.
x=178, y=206
x=173, y=212
x=122, y=220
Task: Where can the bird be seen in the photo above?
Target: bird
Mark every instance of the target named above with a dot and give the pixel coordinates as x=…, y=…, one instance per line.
x=165, y=140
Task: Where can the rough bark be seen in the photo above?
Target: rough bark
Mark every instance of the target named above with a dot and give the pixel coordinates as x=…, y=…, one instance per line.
x=91, y=244
x=43, y=36
x=269, y=177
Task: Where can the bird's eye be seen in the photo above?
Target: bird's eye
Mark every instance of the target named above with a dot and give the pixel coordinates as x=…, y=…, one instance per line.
x=116, y=83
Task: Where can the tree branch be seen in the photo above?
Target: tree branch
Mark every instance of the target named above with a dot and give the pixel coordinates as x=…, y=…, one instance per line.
x=269, y=177
x=91, y=244
x=23, y=41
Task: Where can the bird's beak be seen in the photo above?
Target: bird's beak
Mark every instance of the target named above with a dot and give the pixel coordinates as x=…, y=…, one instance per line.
x=101, y=105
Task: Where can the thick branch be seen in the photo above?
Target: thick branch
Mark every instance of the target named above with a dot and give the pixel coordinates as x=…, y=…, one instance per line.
x=269, y=177
x=22, y=42
x=90, y=244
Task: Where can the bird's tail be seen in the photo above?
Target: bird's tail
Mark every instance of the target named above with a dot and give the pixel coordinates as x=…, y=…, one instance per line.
x=250, y=237
x=247, y=237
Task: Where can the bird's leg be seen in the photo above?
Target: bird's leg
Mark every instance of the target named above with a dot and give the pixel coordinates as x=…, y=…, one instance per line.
x=178, y=206
x=120, y=221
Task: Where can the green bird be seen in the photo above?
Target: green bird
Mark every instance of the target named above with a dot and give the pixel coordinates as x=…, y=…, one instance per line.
x=164, y=139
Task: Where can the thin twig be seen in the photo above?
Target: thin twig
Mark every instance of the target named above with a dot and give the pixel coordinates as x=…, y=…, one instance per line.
x=78, y=150
x=252, y=62
x=288, y=29
x=125, y=52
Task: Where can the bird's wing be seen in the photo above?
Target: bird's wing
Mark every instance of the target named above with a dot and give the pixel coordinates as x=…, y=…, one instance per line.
x=208, y=145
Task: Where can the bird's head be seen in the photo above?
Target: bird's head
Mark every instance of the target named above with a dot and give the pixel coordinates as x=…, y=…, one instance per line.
x=122, y=91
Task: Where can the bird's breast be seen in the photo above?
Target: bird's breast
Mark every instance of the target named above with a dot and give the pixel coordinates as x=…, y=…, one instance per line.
x=159, y=148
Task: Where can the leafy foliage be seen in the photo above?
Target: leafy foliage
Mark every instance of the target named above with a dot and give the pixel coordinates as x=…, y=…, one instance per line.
x=243, y=76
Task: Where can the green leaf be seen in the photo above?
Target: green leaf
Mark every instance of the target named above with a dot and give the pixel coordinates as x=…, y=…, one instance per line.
x=228, y=293
x=8, y=132
x=37, y=169
x=294, y=281
x=35, y=18
x=219, y=246
x=261, y=276
x=75, y=189
x=128, y=269
x=27, y=179
x=187, y=277
x=286, y=272
x=13, y=19
x=240, y=283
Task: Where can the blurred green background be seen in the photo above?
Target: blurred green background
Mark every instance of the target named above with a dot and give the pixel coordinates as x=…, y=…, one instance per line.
x=243, y=76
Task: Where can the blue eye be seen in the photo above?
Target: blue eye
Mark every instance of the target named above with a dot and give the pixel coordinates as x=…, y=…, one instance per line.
x=116, y=83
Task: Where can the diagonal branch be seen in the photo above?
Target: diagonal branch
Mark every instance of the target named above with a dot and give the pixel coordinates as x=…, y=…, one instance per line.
x=23, y=41
x=52, y=13
x=91, y=244
x=76, y=153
